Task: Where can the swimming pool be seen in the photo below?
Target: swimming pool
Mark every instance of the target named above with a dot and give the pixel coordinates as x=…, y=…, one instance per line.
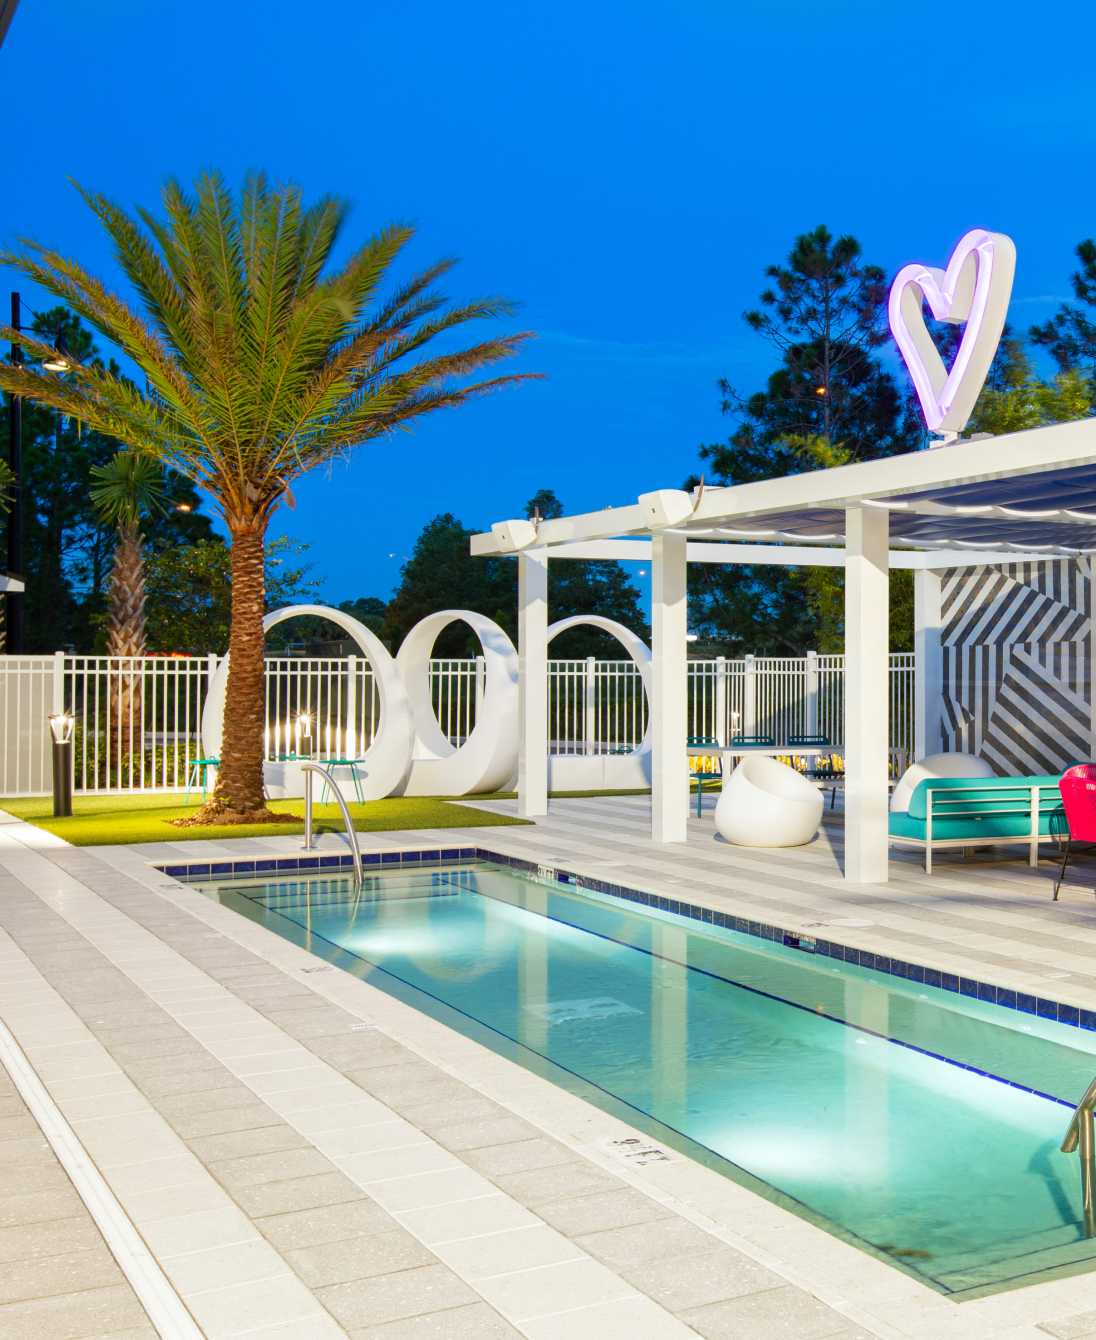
x=918, y=1123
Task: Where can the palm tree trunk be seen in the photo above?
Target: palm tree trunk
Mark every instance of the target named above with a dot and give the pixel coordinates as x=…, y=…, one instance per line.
x=239, y=796
x=126, y=637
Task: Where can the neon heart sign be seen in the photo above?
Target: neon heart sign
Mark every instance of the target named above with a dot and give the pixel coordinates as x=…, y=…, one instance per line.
x=974, y=289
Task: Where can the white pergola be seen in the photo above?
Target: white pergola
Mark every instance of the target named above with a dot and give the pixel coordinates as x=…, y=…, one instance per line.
x=1024, y=497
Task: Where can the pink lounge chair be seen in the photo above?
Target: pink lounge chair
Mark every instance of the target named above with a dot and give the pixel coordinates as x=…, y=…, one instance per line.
x=1078, y=788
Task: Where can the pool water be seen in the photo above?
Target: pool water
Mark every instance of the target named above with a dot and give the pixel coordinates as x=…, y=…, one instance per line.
x=851, y=1097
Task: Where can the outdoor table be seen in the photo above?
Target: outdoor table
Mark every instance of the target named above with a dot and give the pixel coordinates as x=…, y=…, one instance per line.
x=352, y=764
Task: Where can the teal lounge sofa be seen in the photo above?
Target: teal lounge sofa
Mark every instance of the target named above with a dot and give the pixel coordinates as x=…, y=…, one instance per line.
x=981, y=812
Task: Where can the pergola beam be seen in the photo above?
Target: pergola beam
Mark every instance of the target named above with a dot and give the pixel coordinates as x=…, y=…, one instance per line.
x=867, y=696
x=669, y=690
x=1060, y=446
x=533, y=683
x=796, y=555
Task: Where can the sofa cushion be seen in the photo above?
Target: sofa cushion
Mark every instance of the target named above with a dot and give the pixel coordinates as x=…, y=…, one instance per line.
x=983, y=793
x=991, y=829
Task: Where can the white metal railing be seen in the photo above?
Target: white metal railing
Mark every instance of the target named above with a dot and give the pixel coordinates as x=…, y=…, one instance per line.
x=139, y=719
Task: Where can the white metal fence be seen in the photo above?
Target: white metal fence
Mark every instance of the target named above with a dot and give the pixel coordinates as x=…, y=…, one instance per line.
x=138, y=719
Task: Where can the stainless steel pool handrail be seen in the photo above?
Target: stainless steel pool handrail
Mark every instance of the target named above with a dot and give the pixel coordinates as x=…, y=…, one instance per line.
x=355, y=851
x=1081, y=1136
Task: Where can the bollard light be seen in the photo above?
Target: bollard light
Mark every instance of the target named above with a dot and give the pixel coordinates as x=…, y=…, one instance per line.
x=61, y=726
x=304, y=734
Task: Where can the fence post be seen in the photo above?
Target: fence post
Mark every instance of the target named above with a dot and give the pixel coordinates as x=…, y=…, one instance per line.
x=810, y=673
x=351, y=706
x=749, y=696
x=58, y=683
x=721, y=700
x=481, y=687
x=589, y=707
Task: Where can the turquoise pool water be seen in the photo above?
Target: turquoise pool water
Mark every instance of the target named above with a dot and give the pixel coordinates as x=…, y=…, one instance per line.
x=821, y=1085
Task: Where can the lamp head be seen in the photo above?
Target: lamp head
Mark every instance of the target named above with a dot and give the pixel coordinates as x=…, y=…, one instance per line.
x=59, y=360
x=61, y=725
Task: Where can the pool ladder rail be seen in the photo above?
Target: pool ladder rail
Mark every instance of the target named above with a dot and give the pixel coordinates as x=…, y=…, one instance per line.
x=1081, y=1136
x=352, y=838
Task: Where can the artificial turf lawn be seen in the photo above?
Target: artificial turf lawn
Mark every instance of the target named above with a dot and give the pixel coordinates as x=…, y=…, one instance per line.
x=110, y=820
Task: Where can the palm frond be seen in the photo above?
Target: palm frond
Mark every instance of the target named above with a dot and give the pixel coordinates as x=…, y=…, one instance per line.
x=128, y=487
x=260, y=358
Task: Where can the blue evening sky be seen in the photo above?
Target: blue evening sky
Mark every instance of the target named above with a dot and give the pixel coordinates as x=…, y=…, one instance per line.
x=624, y=170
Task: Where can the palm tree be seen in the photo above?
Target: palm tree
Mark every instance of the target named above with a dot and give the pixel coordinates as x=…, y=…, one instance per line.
x=125, y=490
x=262, y=359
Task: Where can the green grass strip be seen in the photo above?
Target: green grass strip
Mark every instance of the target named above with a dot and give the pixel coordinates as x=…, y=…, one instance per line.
x=115, y=819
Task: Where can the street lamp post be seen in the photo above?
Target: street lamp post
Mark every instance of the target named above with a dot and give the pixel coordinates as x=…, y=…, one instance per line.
x=14, y=609
x=14, y=605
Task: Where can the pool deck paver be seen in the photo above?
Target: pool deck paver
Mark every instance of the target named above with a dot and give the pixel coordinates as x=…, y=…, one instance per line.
x=57, y=1276
x=309, y=1157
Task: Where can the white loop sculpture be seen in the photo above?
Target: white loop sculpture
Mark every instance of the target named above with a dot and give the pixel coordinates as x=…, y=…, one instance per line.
x=383, y=767
x=764, y=803
x=487, y=759
x=577, y=772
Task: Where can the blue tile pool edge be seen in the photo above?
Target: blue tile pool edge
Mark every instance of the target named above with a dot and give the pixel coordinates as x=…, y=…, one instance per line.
x=1007, y=998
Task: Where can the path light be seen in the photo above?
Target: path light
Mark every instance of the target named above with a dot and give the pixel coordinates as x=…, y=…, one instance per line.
x=61, y=725
x=304, y=734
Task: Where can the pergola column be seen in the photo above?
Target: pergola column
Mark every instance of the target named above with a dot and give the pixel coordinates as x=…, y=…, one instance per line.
x=669, y=690
x=867, y=694
x=928, y=663
x=532, y=683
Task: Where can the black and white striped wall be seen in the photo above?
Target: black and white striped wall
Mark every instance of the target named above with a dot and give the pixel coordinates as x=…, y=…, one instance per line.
x=1014, y=663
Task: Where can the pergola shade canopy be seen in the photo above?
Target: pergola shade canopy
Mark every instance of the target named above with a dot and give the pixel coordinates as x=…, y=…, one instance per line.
x=1033, y=491
x=1027, y=497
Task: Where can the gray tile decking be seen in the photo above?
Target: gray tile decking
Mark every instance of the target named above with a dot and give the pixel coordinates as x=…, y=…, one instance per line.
x=298, y=1174
x=57, y=1276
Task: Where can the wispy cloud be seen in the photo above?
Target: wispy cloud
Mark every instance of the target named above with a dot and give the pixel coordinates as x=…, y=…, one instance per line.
x=660, y=352
x=1040, y=300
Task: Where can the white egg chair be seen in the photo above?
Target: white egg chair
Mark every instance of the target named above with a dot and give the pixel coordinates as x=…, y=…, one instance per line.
x=764, y=803
x=935, y=765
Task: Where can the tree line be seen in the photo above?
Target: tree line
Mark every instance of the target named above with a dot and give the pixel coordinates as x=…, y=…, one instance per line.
x=831, y=397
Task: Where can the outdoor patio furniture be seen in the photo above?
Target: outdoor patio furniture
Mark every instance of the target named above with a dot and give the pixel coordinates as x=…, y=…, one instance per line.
x=703, y=767
x=765, y=803
x=935, y=765
x=196, y=776
x=823, y=768
x=981, y=812
x=352, y=763
x=1078, y=790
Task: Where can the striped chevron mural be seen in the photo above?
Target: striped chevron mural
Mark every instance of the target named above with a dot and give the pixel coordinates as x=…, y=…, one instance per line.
x=1017, y=648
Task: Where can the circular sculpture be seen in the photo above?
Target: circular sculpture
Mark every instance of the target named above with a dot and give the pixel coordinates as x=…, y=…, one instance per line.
x=765, y=803
x=935, y=765
x=487, y=759
x=579, y=772
x=384, y=764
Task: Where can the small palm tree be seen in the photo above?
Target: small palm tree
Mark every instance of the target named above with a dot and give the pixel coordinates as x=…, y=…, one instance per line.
x=127, y=489
x=262, y=359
